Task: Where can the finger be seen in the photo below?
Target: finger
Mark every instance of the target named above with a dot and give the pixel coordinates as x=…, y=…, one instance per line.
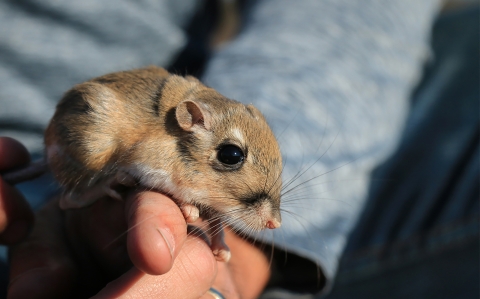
x=16, y=216
x=40, y=266
x=147, y=229
x=156, y=231
x=191, y=275
x=12, y=154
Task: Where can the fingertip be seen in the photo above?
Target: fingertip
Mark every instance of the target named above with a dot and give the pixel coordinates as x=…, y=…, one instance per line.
x=16, y=216
x=156, y=231
x=151, y=249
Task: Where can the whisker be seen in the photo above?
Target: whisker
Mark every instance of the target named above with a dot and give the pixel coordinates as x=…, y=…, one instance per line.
x=317, y=176
x=127, y=231
x=297, y=176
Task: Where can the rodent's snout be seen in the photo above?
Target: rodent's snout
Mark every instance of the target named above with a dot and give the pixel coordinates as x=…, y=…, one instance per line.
x=273, y=223
x=275, y=219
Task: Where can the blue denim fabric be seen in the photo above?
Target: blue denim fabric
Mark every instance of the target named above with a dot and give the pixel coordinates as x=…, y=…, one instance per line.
x=418, y=236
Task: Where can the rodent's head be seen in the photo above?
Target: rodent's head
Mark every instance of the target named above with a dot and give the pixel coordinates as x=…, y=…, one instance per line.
x=230, y=151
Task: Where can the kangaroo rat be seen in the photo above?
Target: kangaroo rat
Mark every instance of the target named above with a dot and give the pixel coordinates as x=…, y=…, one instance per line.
x=214, y=156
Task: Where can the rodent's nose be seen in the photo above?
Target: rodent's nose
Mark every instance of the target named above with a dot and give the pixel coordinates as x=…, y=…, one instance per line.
x=272, y=224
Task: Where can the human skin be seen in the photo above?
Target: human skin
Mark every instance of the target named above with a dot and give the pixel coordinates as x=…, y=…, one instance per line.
x=118, y=249
x=16, y=218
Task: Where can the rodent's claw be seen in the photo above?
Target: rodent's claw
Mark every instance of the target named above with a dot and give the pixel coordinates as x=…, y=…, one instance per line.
x=219, y=249
x=190, y=212
x=222, y=255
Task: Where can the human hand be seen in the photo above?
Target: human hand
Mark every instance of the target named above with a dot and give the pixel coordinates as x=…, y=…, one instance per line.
x=16, y=217
x=47, y=264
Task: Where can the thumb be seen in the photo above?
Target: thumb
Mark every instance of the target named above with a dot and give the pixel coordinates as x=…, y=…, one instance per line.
x=156, y=231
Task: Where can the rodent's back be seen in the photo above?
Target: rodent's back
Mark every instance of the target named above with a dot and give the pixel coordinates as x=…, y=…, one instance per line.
x=97, y=122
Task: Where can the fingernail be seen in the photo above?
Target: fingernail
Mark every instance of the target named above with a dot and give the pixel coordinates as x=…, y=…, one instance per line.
x=168, y=238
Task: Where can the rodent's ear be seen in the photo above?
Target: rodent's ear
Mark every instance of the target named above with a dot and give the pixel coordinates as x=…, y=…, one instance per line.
x=254, y=112
x=191, y=113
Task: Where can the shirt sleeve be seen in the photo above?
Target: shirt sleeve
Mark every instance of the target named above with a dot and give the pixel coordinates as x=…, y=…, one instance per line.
x=333, y=79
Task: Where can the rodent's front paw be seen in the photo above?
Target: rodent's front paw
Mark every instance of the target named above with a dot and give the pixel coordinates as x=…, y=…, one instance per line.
x=190, y=212
x=219, y=248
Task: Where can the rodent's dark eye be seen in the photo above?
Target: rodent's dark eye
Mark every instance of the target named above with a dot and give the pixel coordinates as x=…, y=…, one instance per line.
x=230, y=154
